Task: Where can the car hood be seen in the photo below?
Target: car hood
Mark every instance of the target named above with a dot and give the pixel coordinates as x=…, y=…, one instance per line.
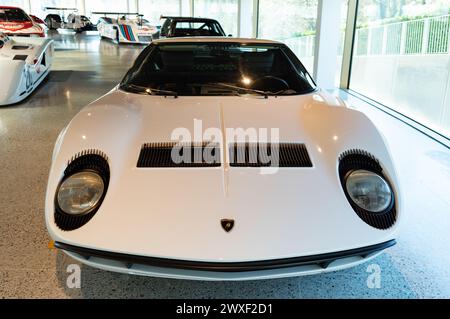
x=176, y=212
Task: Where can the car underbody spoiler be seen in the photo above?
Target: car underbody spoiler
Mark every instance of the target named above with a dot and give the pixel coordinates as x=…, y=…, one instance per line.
x=322, y=260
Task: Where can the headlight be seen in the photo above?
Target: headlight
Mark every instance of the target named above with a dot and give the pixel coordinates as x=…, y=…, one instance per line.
x=369, y=191
x=80, y=193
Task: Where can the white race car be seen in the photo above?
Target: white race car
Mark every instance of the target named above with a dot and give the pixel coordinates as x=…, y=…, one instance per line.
x=78, y=23
x=219, y=159
x=125, y=30
x=24, y=64
x=74, y=22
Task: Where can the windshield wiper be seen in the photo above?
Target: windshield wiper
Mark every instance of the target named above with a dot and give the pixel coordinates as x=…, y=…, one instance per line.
x=266, y=94
x=150, y=91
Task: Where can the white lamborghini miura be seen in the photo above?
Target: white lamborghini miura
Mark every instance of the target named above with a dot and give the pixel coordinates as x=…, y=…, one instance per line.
x=24, y=64
x=219, y=159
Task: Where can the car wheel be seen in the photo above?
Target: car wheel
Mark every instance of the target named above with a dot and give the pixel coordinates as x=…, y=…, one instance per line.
x=53, y=26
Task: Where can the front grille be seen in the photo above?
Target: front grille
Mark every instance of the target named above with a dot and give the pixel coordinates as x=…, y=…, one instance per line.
x=168, y=155
x=269, y=155
x=356, y=160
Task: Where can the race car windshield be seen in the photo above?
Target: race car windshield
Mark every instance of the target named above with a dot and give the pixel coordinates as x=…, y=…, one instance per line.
x=197, y=28
x=219, y=69
x=13, y=15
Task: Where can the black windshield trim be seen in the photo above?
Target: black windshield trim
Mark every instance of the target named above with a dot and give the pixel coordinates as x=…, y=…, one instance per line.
x=283, y=48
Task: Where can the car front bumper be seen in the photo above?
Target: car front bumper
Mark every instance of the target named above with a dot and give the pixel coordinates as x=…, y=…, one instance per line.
x=217, y=271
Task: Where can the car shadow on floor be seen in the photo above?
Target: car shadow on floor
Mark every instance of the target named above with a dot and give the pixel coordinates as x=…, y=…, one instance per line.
x=66, y=75
x=375, y=279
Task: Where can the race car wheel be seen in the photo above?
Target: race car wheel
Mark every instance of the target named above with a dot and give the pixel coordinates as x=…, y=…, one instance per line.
x=49, y=24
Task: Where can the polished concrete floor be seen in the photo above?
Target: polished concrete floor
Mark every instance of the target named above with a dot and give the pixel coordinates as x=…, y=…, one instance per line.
x=85, y=68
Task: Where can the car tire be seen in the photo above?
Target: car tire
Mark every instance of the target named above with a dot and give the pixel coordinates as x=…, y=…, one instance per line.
x=50, y=24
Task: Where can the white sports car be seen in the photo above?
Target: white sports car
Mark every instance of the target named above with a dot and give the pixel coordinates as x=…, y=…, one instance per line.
x=219, y=159
x=15, y=22
x=126, y=30
x=24, y=64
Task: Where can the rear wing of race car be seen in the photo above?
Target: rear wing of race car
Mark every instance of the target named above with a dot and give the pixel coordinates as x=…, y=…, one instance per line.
x=117, y=13
x=61, y=9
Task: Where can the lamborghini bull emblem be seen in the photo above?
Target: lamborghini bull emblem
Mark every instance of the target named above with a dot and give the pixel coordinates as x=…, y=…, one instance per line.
x=227, y=224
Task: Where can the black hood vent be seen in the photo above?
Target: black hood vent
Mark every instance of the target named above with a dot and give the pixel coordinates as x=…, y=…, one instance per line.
x=269, y=155
x=20, y=47
x=182, y=155
x=20, y=57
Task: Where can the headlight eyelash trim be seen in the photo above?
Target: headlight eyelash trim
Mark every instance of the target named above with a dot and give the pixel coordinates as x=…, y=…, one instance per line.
x=94, y=160
x=356, y=159
x=87, y=152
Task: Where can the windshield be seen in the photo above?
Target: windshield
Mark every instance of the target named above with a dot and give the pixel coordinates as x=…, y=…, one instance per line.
x=13, y=15
x=205, y=69
x=197, y=28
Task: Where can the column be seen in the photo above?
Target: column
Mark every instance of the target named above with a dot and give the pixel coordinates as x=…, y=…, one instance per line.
x=350, y=42
x=27, y=6
x=133, y=6
x=327, y=40
x=187, y=8
x=246, y=16
x=81, y=6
